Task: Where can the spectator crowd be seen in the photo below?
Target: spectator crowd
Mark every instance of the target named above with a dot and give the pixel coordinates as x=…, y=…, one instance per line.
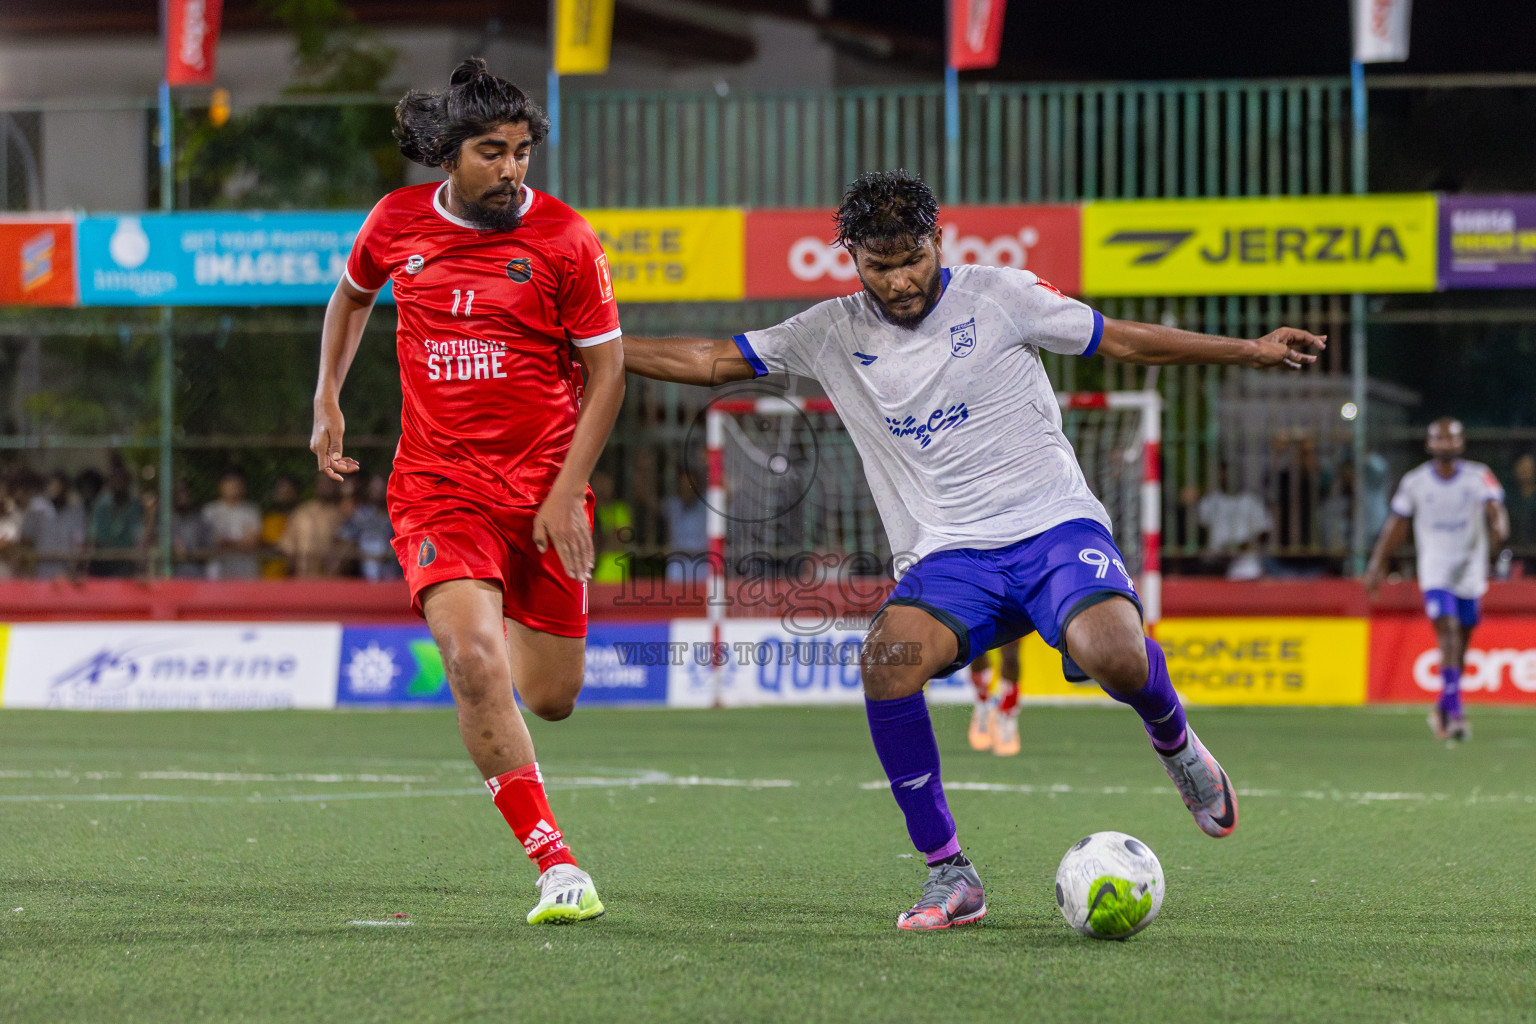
x=108, y=524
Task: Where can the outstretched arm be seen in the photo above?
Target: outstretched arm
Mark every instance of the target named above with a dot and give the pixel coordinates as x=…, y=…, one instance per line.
x=704, y=361
x=1392, y=535
x=345, y=318
x=1156, y=345
x=1498, y=523
x=562, y=517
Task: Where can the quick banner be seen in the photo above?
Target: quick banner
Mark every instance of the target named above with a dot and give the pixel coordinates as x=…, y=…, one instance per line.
x=764, y=662
x=1264, y=246
x=1488, y=241
x=158, y=666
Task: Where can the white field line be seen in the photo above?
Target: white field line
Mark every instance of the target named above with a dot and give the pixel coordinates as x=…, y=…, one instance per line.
x=551, y=782
x=1303, y=794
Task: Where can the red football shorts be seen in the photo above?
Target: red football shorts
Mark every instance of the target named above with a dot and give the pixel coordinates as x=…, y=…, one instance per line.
x=443, y=533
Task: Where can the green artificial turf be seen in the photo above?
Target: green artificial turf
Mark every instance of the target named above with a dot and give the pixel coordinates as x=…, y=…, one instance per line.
x=1376, y=875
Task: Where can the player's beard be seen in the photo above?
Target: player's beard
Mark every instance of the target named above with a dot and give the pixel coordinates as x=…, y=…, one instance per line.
x=909, y=320
x=494, y=216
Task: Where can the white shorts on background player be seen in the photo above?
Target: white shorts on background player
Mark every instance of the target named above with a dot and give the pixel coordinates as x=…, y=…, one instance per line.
x=955, y=420
x=1450, y=525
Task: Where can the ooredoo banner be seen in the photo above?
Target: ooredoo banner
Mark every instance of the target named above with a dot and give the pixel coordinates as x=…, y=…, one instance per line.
x=143, y=666
x=790, y=254
x=1500, y=668
x=401, y=665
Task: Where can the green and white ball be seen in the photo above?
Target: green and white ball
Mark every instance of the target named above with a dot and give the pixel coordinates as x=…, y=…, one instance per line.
x=1109, y=885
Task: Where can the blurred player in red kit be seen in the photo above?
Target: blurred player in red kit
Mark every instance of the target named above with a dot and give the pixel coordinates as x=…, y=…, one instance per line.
x=512, y=370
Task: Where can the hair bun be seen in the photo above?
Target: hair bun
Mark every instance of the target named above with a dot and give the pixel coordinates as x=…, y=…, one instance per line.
x=468, y=70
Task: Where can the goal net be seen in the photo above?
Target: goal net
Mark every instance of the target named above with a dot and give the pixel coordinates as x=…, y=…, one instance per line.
x=785, y=480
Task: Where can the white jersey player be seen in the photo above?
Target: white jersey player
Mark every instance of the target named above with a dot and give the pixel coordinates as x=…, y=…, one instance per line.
x=1457, y=509
x=937, y=376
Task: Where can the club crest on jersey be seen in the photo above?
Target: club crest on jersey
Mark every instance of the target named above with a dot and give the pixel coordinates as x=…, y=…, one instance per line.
x=520, y=270
x=962, y=339
x=415, y=264
x=426, y=554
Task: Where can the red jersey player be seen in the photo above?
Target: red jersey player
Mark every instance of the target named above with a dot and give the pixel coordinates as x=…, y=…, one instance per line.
x=501, y=293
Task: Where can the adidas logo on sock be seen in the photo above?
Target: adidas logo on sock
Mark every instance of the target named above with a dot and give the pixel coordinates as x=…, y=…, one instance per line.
x=543, y=834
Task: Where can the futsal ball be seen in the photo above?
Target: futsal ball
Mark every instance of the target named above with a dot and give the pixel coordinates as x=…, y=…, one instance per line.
x=1109, y=885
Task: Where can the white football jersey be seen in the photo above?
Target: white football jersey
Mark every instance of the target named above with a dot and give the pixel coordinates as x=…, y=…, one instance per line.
x=1450, y=526
x=955, y=420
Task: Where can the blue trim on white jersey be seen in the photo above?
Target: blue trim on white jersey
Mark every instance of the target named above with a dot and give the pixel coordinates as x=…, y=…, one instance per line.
x=759, y=368
x=943, y=280
x=1098, y=333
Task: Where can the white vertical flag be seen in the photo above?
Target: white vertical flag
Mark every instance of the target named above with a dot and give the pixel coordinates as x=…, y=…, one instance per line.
x=1381, y=30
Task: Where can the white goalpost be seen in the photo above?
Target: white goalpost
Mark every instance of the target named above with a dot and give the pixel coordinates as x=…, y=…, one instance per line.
x=783, y=478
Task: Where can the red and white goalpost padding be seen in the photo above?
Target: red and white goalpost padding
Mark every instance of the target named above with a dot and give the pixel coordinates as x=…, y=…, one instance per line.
x=1150, y=405
x=1147, y=405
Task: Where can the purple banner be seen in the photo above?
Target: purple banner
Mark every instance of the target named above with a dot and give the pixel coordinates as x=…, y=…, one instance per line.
x=1488, y=241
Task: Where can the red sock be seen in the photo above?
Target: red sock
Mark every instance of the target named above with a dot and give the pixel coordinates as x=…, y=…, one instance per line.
x=1008, y=697
x=519, y=796
x=982, y=680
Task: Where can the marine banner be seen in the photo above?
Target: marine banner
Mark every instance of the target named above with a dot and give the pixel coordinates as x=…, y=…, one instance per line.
x=1488, y=241
x=203, y=666
x=682, y=255
x=1270, y=246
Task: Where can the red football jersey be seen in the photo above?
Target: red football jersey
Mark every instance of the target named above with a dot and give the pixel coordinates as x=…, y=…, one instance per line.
x=487, y=319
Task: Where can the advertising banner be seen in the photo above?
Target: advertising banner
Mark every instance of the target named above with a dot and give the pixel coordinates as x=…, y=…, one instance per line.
x=1264, y=246
x=1311, y=661
x=1381, y=30
x=683, y=255
x=395, y=665
x=1488, y=241
x=789, y=255
x=215, y=259
x=583, y=36
x=134, y=666
x=37, y=261
x=975, y=33
x=760, y=662
x=1500, y=668
x=191, y=40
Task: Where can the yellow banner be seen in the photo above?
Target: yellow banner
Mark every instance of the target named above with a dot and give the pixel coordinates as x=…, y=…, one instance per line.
x=5, y=640
x=673, y=255
x=1302, y=661
x=1267, y=661
x=583, y=36
x=1283, y=245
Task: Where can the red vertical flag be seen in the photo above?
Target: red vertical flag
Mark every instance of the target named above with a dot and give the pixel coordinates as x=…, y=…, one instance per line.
x=975, y=33
x=191, y=40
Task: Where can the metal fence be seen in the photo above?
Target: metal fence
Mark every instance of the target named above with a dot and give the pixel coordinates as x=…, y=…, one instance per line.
x=1019, y=143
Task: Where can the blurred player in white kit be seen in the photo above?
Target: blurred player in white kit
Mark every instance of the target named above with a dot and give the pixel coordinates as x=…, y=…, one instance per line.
x=1457, y=508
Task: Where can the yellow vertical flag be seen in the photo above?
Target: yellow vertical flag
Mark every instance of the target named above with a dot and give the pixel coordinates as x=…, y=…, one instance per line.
x=583, y=36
